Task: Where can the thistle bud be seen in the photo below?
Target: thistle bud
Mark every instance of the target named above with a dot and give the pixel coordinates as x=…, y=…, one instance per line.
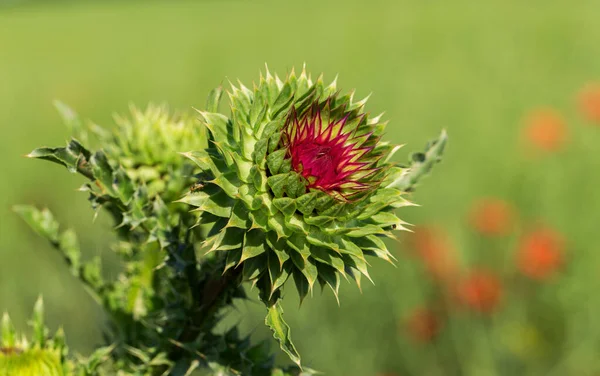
x=42, y=355
x=298, y=184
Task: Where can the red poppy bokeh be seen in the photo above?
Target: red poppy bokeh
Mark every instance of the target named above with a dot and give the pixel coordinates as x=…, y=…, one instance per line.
x=480, y=291
x=492, y=217
x=540, y=253
x=545, y=129
x=589, y=102
x=435, y=251
x=423, y=325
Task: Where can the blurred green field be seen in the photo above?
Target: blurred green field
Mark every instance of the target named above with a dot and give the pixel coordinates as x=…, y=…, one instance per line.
x=474, y=68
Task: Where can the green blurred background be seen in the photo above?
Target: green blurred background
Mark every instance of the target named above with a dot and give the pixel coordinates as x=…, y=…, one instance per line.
x=476, y=68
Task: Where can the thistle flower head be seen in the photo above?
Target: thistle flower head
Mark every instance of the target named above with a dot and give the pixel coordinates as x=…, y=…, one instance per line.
x=297, y=183
x=332, y=154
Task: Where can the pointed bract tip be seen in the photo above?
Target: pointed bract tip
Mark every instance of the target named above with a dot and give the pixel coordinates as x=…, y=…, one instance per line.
x=232, y=86
x=267, y=72
x=39, y=305
x=363, y=101
x=303, y=73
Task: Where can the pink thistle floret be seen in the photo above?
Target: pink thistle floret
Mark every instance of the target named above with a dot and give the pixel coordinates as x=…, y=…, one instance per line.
x=329, y=154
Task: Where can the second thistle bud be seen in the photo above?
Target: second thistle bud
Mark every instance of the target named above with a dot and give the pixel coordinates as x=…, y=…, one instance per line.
x=42, y=355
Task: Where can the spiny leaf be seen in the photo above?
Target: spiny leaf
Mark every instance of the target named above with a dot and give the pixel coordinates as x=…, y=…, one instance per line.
x=41, y=221
x=74, y=157
x=281, y=332
x=421, y=164
x=103, y=172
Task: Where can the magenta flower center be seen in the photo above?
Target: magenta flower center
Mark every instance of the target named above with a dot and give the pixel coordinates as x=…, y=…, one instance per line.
x=327, y=154
x=317, y=163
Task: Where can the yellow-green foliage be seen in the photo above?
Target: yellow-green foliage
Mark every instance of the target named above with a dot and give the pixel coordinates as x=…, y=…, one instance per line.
x=32, y=362
x=41, y=355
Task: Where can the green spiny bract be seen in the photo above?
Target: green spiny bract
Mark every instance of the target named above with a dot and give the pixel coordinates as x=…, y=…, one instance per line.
x=297, y=183
x=146, y=146
x=42, y=355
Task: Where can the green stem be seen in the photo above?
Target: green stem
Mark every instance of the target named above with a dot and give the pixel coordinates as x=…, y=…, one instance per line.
x=213, y=292
x=421, y=164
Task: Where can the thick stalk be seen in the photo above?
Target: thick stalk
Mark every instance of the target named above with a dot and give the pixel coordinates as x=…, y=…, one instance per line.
x=215, y=289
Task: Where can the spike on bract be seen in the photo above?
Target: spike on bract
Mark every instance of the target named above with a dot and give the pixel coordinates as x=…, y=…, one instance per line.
x=329, y=153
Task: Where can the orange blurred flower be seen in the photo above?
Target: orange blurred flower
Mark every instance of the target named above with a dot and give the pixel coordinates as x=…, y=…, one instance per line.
x=545, y=129
x=540, y=253
x=492, y=217
x=480, y=291
x=423, y=325
x=435, y=251
x=589, y=102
